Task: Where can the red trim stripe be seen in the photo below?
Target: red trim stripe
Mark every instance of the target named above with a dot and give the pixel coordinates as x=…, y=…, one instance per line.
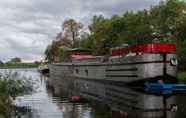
x=145, y=48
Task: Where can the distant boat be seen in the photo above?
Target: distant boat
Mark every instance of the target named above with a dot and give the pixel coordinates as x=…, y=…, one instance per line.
x=43, y=69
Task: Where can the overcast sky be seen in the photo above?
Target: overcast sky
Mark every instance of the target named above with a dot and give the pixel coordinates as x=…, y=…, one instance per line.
x=28, y=26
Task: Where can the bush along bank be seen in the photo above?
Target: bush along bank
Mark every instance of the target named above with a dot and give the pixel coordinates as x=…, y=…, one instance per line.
x=11, y=86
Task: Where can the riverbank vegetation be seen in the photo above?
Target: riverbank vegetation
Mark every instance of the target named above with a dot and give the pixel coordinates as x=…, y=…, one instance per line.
x=165, y=22
x=181, y=76
x=17, y=63
x=11, y=86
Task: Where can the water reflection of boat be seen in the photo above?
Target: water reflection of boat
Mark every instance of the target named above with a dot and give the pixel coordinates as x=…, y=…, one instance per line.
x=120, y=80
x=120, y=98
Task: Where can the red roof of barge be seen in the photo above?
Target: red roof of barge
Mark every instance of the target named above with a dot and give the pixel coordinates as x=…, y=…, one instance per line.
x=79, y=54
x=145, y=48
x=80, y=57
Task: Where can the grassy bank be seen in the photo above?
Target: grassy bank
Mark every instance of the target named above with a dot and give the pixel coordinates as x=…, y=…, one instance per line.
x=20, y=65
x=181, y=76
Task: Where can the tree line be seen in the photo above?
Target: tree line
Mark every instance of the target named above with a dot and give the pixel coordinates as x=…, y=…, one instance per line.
x=165, y=22
x=17, y=62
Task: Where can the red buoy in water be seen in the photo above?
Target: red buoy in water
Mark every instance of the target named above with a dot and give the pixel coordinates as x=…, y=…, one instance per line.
x=75, y=98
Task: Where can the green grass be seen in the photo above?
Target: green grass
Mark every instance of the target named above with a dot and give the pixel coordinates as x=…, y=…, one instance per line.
x=181, y=76
x=21, y=65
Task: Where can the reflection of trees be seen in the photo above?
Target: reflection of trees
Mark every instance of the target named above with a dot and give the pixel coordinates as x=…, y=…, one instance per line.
x=182, y=105
x=74, y=110
x=21, y=112
x=100, y=110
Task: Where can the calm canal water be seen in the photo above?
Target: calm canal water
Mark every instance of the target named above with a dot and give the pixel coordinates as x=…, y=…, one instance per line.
x=43, y=103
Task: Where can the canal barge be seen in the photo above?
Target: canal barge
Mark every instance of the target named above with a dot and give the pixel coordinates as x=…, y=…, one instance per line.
x=128, y=64
x=132, y=76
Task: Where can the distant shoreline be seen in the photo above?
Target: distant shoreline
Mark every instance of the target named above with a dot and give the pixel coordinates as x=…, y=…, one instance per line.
x=20, y=65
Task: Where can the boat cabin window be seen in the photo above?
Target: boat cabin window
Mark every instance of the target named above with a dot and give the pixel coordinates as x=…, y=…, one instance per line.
x=77, y=71
x=86, y=71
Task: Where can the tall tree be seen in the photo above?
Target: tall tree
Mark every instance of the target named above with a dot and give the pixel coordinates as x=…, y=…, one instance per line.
x=48, y=54
x=71, y=30
x=165, y=18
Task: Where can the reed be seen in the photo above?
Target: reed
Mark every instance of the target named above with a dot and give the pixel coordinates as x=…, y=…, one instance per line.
x=11, y=86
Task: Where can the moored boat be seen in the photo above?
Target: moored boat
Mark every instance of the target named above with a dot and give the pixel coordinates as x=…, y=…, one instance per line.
x=129, y=64
x=129, y=79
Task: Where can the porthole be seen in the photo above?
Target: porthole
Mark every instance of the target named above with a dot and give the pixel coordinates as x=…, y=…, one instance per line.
x=173, y=62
